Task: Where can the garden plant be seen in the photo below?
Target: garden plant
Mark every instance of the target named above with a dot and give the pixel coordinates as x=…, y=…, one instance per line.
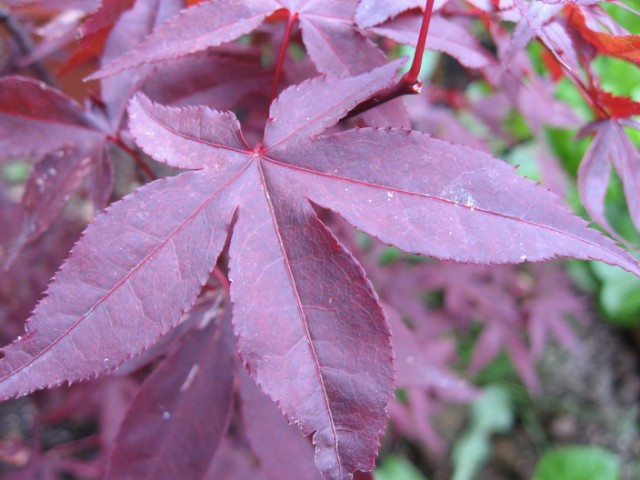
x=198, y=199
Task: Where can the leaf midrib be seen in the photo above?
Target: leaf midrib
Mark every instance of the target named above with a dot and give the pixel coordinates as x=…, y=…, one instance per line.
x=113, y=68
x=444, y=200
x=303, y=317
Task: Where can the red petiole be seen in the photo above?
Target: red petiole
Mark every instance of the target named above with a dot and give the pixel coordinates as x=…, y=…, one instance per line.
x=409, y=84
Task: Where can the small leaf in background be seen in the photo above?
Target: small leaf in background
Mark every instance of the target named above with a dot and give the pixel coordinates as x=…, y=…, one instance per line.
x=397, y=468
x=578, y=463
x=490, y=413
x=16, y=171
x=622, y=46
x=619, y=294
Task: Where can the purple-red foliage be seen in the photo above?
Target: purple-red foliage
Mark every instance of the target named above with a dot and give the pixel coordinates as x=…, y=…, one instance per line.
x=221, y=281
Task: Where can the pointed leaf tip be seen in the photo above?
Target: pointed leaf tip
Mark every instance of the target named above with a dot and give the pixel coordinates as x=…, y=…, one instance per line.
x=102, y=307
x=194, y=29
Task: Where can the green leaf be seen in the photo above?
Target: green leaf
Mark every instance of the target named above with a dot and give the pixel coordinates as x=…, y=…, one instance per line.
x=16, y=172
x=618, y=76
x=389, y=255
x=619, y=294
x=395, y=467
x=524, y=157
x=578, y=463
x=429, y=61
x=490, y=413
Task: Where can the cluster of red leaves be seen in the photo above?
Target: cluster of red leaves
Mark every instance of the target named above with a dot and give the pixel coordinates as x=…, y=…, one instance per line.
x=234, y=255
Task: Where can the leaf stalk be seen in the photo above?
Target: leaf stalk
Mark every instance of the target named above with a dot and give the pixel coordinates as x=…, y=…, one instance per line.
x=409, y=84
x=411, y=77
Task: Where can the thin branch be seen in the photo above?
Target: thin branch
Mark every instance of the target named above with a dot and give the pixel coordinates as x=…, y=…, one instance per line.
x=398, y=90
x=23, y=40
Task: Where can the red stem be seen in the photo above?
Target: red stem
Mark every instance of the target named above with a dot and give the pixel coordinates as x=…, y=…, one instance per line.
x=394, y=91
x=136, y=157
x=291, y=21
x=412, y=75
x=409, y=84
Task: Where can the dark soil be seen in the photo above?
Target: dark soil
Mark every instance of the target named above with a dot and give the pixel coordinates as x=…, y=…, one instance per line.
x=590, y=397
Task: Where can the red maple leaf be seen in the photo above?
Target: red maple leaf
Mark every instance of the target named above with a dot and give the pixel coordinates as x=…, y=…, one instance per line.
x=309, y=327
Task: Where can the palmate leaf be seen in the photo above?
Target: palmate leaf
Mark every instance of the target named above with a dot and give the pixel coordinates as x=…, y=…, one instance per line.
x=610, y=146
x=334, y=43
x=51, y=182
x=374, y=12
x=206, y=79
x=626, y=47
x=310, y=329
x=416, y=369
x=575, y=2
x=41, y=122
x=94, y=31
x=129, y=30
x=234, y=464
x=444, y=36
x=195, y=29
x=36, y=119
x=329, y=34
x=67, y=140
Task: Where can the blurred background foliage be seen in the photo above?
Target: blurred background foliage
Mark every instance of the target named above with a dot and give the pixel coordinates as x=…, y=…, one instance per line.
x=505, y=402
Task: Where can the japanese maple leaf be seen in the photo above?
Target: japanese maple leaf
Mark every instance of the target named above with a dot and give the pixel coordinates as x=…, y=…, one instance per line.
x=43, y=123
x=626, y=47
x=329, y=34
x=444, y=36
x=576, y=2
x=98, y=18
x=334, y=43
x=374, y=12
x=610, y=146
x=282, y=452
x=95, y=29
x=54, y=4
x=381, y=17
x=552, y=300
x=206, y=79
x=69, y=142
x=537, y=19
x=309, y=328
